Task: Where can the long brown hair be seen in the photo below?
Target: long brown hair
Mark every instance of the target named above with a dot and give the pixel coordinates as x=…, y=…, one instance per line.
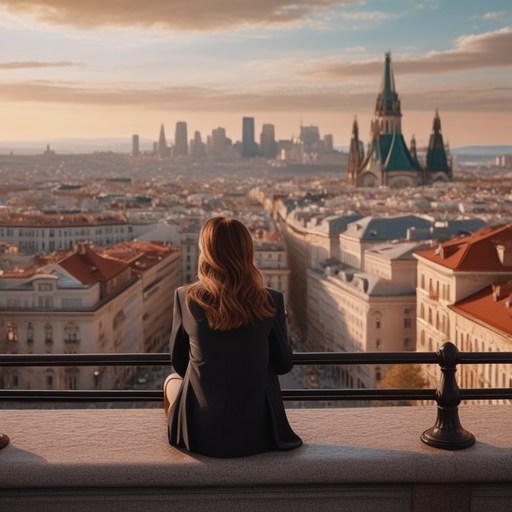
x=230, y=288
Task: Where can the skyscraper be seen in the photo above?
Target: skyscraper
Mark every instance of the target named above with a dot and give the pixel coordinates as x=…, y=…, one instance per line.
x=181, y=139
x=268, y=146
x=197, y=146
x=135, y=145
x=249, y=146
x=162, y=144
x=217, y=141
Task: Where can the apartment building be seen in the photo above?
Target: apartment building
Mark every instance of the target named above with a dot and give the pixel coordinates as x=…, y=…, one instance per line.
x=85, y=302
x=350, y=310
x=462, y=295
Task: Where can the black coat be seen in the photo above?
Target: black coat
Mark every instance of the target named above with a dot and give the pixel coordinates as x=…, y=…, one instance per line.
x=230, y=403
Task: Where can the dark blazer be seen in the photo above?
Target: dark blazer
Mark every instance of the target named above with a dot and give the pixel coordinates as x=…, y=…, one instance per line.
x=230, y=403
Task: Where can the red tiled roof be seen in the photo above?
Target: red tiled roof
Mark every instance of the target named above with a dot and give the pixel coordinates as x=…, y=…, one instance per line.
x=476, y=251
x=139, y=255
x=90, y=267
x=482, y=306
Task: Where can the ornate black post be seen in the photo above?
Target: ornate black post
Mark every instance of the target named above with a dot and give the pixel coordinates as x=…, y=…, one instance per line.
x=448, y=433
x=4, y=440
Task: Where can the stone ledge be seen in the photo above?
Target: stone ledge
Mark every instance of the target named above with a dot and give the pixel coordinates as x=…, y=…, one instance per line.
x=118, y=448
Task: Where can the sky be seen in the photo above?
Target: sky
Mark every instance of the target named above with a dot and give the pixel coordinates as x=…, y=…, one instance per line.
x=92, y=69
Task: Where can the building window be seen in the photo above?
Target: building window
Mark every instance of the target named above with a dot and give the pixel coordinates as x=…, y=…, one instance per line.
x=11, y=333
x=48, y=333
x=30, y=333
x=430, y=347
x=378, y=344
x=71, y=332
x=72, y=382
x=422, y=338
x=407, y=344
x=407, y=323
x=15, y=381
x=377, y=323
x=378, y=374
x=49, y=382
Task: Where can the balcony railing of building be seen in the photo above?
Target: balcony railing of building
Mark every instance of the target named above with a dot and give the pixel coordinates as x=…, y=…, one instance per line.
x=447, y=432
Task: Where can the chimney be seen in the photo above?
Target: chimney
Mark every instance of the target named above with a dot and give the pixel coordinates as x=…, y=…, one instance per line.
x=504, y=250
x=81, y=248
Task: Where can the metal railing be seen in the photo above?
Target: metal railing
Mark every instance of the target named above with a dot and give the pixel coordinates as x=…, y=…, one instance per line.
x=447, y=433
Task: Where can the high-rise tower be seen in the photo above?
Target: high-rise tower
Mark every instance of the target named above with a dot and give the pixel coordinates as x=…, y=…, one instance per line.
x=249, y=146
x=162, y=143
x=268, y=145
x=135, y=145
x=181, y=139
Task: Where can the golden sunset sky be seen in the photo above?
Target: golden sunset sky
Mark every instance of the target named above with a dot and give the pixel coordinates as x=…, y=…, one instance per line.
x=95, y=69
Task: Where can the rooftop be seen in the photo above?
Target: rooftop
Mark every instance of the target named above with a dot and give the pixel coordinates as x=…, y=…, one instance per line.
x=476, y=251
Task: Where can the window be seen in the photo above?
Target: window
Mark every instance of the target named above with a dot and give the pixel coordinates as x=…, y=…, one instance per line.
x=407, y=323
x=188, y=258
x=430, y=347
x=407, y=344
x=377, y=323
x=72, y=382
x=406, y=311
x=49, y=382
x=422, y=338
x=30, y=333
x=71, y=332
x=45, y=287
x=378, y=374
x=15, y=381
x=48, y=333
x=11, y=333
x=378, y=344
x=422, y=312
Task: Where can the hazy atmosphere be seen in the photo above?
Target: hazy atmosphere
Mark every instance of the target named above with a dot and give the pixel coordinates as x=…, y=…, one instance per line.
x=94, y=69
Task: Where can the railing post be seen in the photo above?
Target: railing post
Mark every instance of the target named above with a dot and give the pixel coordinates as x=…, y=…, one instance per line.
x=4, y=440
x=448, y=433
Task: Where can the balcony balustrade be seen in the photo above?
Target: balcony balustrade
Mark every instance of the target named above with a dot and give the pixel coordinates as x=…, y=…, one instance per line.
x=353, y=459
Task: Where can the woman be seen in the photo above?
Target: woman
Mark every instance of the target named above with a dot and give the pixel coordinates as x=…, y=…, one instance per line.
x=228, y=344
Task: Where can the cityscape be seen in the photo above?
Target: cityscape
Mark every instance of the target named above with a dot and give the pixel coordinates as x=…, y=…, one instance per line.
x=376, y=185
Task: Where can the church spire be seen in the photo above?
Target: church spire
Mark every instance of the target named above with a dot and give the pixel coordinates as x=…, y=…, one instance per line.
x=436, y=154
x=355, y=157
x=387, y=99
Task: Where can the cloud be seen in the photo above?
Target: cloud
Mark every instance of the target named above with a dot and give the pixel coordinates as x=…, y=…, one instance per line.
x=488, y=50
x=493, y=15
x=36, y=64
x=197, y=15
x=368, y=16
x=292, y=99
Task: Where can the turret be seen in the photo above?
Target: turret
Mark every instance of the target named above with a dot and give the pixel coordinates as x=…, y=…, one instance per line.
x=414, y=154
x=436, y=154
x=355, y=157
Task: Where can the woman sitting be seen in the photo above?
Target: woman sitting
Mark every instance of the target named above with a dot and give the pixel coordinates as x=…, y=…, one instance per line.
x=228, y=344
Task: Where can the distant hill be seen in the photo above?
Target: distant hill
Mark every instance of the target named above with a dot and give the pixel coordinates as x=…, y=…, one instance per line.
x=482, y=150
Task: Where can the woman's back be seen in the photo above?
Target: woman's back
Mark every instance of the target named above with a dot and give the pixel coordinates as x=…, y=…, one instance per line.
x=230, y=404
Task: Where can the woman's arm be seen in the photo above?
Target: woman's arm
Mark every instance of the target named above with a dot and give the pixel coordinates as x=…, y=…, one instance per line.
x=180, y=344
x=280, y=352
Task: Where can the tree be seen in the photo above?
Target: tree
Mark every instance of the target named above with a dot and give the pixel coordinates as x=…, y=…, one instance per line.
x=404, y=376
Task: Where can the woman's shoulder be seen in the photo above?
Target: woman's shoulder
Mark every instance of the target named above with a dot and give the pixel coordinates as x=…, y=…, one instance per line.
x=276, y=295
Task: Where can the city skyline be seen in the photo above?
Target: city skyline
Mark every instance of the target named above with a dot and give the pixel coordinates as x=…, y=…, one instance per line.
x=96, y=71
